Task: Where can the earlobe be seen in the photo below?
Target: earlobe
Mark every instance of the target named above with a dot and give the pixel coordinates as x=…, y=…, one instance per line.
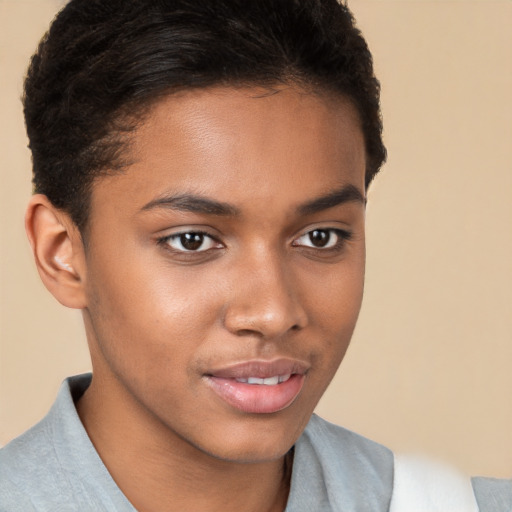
x=58, y=251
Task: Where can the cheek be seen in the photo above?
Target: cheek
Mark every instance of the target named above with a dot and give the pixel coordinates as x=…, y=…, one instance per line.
x=336, y=297
x=145, y=317
x=335, y=302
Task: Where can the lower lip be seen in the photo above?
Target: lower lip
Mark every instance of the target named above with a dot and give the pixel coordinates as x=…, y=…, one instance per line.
x=257, y=398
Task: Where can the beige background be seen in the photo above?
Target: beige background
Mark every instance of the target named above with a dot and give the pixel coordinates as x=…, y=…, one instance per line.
x=429, y=368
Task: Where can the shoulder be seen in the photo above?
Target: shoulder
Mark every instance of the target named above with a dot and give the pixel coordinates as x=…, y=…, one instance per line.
x=493, y=494
x=34, y=467
x=338, y=444
x=29, y=468
x=355, y=471
x=341, y=469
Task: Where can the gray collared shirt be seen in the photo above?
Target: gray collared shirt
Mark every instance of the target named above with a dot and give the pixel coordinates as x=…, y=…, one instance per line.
x=54, y=467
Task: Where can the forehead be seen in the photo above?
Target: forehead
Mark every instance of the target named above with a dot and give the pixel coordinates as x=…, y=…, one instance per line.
x=243, y=146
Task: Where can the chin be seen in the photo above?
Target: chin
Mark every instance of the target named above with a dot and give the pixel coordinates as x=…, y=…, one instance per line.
x=259, y=439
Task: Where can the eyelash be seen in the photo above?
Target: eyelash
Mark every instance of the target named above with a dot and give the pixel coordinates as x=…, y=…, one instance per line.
x=342, y=237
x=341, y=234
x=164, y=241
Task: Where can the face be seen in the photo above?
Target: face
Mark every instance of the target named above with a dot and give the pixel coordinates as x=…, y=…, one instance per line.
x=224, y=269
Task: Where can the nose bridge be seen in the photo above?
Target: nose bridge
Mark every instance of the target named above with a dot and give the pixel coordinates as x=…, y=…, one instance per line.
x=265, y=299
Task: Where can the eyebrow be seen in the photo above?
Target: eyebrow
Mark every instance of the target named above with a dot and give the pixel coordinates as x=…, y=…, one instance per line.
x=194, y=204
x=346, y=194
x=198, y=204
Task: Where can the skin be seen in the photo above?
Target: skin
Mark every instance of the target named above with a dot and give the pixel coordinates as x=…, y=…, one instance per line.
x=160, y=320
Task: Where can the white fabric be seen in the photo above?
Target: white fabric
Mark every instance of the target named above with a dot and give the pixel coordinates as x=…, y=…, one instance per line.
x=421, y=485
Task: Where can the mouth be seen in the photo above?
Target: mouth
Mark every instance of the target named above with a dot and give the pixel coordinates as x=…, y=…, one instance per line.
x=259, y=387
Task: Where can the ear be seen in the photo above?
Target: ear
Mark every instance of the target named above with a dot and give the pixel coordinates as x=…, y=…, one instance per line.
x=58, y=251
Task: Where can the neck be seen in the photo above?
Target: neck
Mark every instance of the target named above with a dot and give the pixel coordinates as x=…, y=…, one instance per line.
x=160, y=471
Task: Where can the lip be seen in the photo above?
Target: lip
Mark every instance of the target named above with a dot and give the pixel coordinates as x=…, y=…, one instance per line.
x=258, y=398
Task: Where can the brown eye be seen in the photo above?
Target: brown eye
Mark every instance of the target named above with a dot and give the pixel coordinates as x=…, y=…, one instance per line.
x=319, y=237
x=323, y=239
x=192, y=241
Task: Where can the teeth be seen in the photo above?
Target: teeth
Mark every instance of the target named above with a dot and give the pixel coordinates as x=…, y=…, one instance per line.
x=270, y=381
x=255, y=380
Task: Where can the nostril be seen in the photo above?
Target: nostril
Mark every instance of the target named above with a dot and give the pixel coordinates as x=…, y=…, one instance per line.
x=248, y=332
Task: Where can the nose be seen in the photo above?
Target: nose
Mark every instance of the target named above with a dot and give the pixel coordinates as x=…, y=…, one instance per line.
x=264, y=301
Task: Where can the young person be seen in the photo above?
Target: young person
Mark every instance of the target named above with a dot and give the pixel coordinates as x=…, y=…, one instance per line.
x=201, y=171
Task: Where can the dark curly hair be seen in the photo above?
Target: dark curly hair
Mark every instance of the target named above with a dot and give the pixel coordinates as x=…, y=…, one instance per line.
x=104, y=62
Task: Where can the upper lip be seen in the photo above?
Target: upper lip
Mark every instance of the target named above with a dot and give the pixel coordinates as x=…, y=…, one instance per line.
x=261, y=369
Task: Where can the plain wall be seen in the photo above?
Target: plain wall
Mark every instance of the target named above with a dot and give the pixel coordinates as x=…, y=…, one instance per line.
x=429, y=366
